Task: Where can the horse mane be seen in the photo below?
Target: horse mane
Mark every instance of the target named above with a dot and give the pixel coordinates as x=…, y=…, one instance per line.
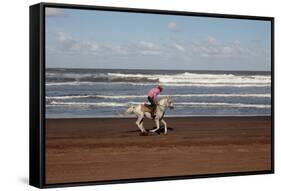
x=166, y=98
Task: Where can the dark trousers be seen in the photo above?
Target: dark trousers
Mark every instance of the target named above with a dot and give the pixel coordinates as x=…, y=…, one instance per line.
x=153, y=106
x=151, y=101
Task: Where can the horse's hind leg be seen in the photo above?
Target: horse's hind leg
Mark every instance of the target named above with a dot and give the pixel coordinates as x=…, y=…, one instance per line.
x=139, y=123
x=165, y=126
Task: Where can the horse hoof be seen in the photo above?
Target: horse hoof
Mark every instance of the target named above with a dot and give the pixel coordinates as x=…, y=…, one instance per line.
x=143, y=134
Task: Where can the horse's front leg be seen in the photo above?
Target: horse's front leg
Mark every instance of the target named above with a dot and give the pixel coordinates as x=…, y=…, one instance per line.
x=157, y=126
x=165, y=126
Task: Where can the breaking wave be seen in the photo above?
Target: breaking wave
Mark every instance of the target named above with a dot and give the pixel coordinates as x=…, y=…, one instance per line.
x=144, y=96
x=178, y=104
x=180, y=79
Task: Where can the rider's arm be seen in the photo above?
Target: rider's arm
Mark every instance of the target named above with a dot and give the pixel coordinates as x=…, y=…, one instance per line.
x=155, y=97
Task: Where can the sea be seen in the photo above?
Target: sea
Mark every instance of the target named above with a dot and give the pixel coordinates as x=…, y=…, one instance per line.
x=89, y=93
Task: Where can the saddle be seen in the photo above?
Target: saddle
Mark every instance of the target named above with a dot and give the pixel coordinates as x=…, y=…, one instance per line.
x=146, y=108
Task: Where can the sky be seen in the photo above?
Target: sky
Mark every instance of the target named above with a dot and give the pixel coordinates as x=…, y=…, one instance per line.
x=78, y=38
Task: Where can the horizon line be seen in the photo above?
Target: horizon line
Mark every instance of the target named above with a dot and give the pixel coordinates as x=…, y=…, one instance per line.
x=161, y=69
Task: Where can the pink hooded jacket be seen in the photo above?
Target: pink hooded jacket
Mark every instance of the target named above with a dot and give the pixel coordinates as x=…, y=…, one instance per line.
x=153, y=93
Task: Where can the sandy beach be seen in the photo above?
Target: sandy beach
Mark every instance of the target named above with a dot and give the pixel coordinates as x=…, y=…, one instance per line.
x=79, y=150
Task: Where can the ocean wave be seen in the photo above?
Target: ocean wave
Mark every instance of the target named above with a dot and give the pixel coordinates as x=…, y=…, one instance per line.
x=197, y=78
x=177, y=104
x=75, y=83
x=85, y=104
x=144, y=96
x=100, y=77
x=204, y=85
x=231, y=105
x=185, y=78
x=69, y=97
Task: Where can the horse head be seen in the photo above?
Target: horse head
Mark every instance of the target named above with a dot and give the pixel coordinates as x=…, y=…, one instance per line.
x=167, y=102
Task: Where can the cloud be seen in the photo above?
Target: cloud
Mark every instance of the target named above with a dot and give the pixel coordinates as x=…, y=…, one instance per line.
x=146, y=44
x=62, y=36
x=114, y=49
x=237, y=42
x=212, y=40
x=214, y=48
x=179, y=47
x=145, y=48
x=173, y=26
x=149, y=52
x=209, y=47
x=54, y=12
x=67, y=44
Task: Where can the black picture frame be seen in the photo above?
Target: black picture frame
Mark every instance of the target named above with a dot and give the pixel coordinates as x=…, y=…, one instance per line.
x=37, y=93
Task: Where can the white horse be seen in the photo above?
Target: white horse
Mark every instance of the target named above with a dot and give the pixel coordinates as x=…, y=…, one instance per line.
x=142, y=111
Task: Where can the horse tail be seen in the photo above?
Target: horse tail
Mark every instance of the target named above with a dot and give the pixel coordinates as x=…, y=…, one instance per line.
x=128, y=111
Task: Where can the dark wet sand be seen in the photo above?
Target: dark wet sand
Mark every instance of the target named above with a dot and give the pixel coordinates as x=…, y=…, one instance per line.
x=79, y=150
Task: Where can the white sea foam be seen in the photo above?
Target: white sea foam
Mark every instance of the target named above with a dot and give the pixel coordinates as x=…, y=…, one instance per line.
x=95, y=100
x=184, y=95
x=202, y=85
x=182, y=79
x=144, y=96
x=141, y=76
x=85, y=104
x=73, y=83
x=177, y=104
x=69, y=97
x=76, y=83
x=232, y=105
x=196, y=78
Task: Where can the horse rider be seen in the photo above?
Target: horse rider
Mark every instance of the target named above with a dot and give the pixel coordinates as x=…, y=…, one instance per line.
x=152, y=98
